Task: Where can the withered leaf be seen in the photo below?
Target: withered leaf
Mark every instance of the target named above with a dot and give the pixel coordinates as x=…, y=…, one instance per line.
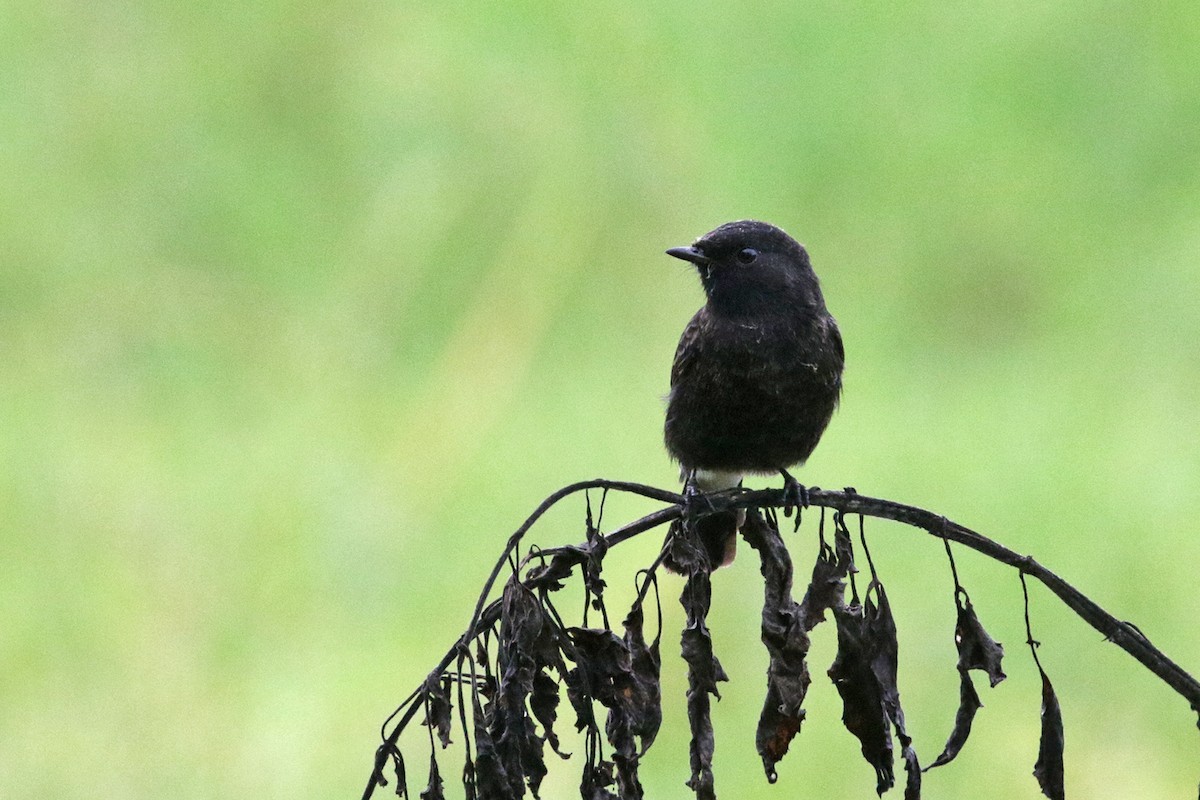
x=437, y=710
x=579, y=697
x=593, y=566
x=700, y=750
x=484, y=660
x=636, y=712
x=704, y=672
x=864, y=672
x=912, y=787
x=968, y=704
x=510, y=755
x=401, y=774
x=646, y=663
x=976, y=650
x=1049, y=767
x=828, y=585
x=696, y=641
x=550, y=576
x=470, y=791
x=786, y=640
x=843, y=547
x=686, y=554
x=885, y=666
x=622, y=675
x=433, y=791
x=596, y=780
x=600, y=657
x=491, y=780
x=863, y=711
x=543, y=703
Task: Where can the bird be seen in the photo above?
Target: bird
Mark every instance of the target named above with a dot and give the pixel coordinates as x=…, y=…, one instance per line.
x=757, y=373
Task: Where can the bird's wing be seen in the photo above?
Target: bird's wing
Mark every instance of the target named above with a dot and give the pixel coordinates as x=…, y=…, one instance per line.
x=688, y=349
x=835, y=335
x=835, y=375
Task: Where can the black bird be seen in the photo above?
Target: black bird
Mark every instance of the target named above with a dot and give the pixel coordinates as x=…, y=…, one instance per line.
x=758, y=370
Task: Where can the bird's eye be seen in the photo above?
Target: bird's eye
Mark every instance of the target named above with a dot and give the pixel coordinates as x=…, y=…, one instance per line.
x=747, y=255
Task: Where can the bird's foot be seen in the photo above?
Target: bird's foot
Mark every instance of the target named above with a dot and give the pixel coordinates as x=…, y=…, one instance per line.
x=695, y=501
x=793, y=493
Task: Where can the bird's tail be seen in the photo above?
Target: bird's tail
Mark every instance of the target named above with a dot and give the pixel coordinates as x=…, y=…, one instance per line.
x=717, y=532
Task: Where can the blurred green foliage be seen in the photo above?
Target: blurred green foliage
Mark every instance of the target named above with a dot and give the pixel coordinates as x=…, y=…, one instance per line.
x=304, y=306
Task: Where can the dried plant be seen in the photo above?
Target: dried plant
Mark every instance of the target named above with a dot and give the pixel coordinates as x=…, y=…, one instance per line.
x=507, y=672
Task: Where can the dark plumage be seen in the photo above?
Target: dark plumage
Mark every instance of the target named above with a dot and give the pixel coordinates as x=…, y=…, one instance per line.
x=758, y=370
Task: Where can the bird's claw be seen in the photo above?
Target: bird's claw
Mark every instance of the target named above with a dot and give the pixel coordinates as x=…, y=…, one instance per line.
x=794, y=494
x=695, y=501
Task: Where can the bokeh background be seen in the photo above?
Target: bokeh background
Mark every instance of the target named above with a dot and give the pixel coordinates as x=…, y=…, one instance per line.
x=304, y=306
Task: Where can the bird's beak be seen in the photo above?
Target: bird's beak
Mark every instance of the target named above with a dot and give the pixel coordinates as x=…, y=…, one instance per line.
x=691, y=254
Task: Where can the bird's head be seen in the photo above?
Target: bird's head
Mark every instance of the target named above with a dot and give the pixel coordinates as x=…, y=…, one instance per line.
x=750, y=267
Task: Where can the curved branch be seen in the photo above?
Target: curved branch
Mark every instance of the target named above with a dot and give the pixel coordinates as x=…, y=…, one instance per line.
x=1123, y=634
x=1120, y=633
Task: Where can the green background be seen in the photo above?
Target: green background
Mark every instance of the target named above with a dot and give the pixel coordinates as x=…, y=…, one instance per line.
x=304, y=306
